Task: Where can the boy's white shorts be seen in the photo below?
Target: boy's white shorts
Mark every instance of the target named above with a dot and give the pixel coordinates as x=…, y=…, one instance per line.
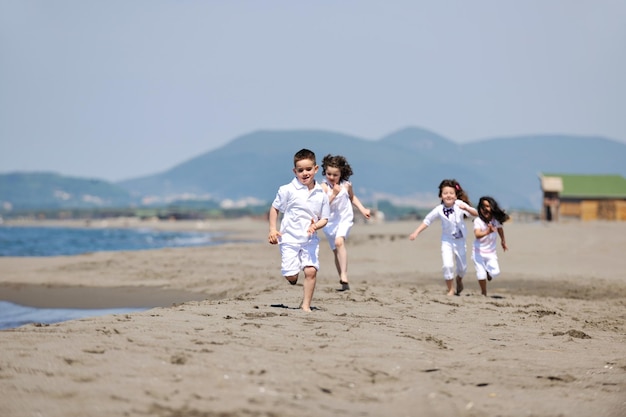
x=295, y=257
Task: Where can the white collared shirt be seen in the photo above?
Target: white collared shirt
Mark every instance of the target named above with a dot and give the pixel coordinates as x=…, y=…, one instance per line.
x=451, y=224
x=299, y=206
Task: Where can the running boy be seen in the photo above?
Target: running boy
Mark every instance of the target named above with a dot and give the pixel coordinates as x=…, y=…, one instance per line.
x=305, y=209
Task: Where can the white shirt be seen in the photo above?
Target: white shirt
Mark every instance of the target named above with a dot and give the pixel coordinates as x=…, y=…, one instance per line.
x=486, y=245
x=299, y=206
x=453, y=225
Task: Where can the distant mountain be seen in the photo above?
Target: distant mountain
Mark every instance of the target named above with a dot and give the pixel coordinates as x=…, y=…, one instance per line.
x=404, y=167
x=20, y=191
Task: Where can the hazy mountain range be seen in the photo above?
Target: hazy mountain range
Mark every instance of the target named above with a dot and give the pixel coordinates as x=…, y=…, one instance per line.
x=405, y=167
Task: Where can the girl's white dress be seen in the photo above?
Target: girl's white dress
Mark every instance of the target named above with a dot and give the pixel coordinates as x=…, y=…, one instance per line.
x=485, y=255
x=341, y=217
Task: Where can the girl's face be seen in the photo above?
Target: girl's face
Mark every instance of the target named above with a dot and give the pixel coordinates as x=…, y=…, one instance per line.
x=448, y=196
x=485, y=209
x=333, y=175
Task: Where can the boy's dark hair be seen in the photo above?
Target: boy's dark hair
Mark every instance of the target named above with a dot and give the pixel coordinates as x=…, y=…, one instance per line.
x=460, y=193
x=304, y=154
x=497, y=213
x=337, y=161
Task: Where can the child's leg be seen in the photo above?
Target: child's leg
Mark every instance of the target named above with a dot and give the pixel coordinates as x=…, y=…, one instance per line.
x=290, y=262
x=450, y=287
x=447, y=256
x=492, y=267
x=332, y=242
x=310, y=262
x=483, y=286
x=459, y=284
x=310, y=274
x=341, y=259
x=342, y=269
x=461, y=264
x=481, y=272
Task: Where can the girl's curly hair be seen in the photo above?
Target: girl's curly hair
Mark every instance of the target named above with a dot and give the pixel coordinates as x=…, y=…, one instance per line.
x=337, y=161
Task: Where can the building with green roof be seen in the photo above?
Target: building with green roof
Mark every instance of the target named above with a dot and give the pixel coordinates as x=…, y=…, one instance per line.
x=587, y=197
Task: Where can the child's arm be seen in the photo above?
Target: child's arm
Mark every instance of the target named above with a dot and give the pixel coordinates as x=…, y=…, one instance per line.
x=502, y=240
x=479, y=234
x=336, y=190
x=471, y=210
x=314, y=226
x=357, y=203
x=273, y=219
x=417, y=231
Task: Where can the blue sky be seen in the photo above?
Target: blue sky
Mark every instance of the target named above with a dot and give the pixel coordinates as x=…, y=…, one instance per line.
x=119, y=89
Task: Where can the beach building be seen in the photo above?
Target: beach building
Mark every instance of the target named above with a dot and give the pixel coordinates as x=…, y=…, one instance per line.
x=585, y=197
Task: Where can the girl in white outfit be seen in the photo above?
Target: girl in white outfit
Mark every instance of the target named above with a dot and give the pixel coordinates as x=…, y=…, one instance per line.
x=454, y=207
x=337, y=172
x=489, y=221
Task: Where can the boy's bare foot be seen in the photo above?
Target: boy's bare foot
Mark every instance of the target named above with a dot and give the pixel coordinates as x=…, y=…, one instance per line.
x=451, y=293
x=344, y=286
x=488, y=277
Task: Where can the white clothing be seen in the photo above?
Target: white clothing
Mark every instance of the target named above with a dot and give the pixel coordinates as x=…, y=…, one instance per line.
x=453, y=232
x=485, y=255
x=295, y=257
x=452, y=224
x=299, y=206
x=452, y=250
x=486, y=244
x=341, y=217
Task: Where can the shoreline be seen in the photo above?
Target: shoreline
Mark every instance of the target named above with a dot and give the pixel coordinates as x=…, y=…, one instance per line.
x=79, y=297
x=94, y=279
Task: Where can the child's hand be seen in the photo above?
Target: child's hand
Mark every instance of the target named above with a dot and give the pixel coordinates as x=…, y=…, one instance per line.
x=412, y=236
x=464, y=206
x=504, y=246
x=312, y=227
x=273, y=237
x=367, y=213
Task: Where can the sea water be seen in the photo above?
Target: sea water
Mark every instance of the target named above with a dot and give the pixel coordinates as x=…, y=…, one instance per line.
x=56, y=241
x=15, y=315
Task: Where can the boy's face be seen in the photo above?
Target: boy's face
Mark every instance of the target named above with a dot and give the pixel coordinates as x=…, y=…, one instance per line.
x=305, y=170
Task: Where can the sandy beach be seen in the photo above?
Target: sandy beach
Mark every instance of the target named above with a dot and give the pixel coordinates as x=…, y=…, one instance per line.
x=229, y=340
